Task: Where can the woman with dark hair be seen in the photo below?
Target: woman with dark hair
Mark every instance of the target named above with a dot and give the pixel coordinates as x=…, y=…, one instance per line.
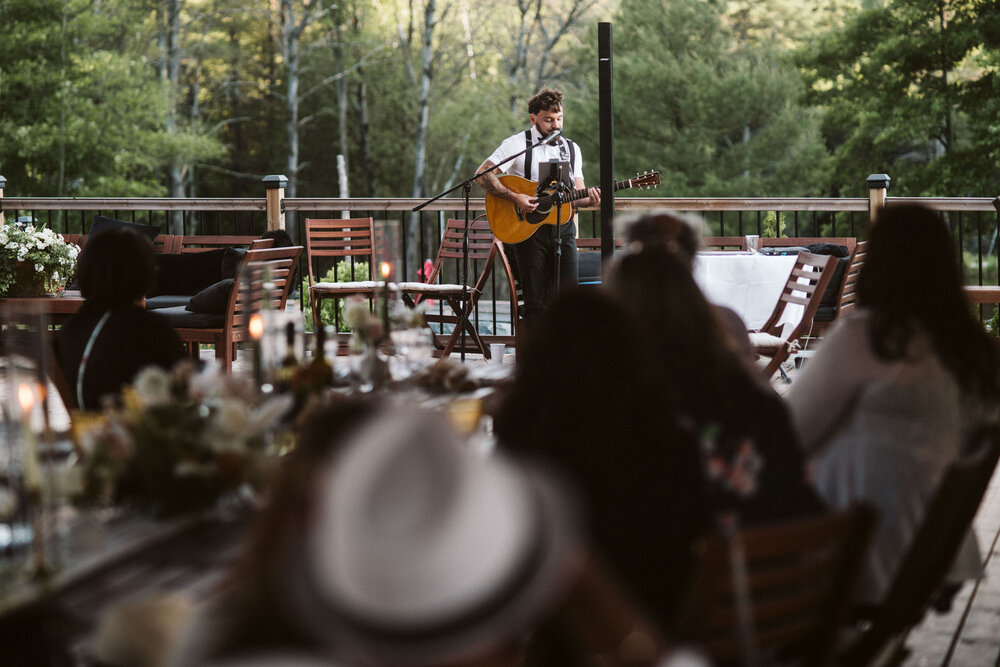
x=585, y=401
x=752, y=459
x=112, y=337
x=883, y=406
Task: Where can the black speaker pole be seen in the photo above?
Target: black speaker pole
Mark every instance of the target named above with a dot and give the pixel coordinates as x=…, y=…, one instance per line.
x=607, y=134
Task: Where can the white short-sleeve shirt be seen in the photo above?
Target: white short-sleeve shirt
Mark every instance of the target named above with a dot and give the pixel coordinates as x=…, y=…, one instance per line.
x=544, y=153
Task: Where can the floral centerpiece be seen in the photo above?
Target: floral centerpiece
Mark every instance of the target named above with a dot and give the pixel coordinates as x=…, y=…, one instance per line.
x=180, y=441
x=34, y=260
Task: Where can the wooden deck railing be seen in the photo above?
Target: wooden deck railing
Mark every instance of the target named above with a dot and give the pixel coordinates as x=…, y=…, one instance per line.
x=974, y=220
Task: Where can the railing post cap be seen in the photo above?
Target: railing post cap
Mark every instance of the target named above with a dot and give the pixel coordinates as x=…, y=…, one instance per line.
x=3, y=181
x=878, y=181
x=272, y=181
x=996, y=203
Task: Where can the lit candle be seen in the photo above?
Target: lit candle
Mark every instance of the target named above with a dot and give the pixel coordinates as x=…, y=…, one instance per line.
x=386, y=269
x=255, y=327
x=26, y=400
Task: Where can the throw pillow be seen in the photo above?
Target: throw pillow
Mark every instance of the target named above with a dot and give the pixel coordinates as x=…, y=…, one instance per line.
x=231, y=259
x=101, y=223
x=213, y=299
x=189, y=272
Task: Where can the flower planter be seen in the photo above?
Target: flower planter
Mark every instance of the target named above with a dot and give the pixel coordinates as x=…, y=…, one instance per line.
x=28, y=282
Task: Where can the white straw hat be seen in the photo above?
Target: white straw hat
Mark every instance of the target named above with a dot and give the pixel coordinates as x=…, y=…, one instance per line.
x=422, y=550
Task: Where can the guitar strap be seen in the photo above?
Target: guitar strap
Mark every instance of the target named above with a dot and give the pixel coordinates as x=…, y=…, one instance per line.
x=528, y=164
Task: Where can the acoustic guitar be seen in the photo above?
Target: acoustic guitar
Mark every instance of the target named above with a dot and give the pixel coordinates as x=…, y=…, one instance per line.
x=512, y=225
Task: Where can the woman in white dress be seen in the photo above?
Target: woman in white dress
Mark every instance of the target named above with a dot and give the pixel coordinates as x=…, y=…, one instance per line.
x=883, y=407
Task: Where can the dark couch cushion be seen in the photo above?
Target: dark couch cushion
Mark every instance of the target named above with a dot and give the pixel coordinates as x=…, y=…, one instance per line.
x=179, y=317
x=827, y=309
x=102, y=223
x=834, y=249
x=213, y=299
x=189, y=272
x=231, y=259
x=588, y=267
x=166, y=301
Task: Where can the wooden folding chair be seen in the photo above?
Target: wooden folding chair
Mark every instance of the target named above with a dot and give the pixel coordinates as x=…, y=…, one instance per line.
x=247, y=296
x=846, y=297
x=344, y=240
x=780, y=334
x=777, y=593
x=482, y=254
x=924, y=568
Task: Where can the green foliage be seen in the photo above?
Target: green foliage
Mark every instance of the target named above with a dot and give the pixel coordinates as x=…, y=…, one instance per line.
x=911, y=90
x=714, y=116
x=82, y=110
x=332, y=311
x=735, y=97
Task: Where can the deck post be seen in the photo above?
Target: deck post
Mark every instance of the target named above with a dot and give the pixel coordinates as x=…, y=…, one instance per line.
x=878, y=184
x=3, y=182
x=275, y=185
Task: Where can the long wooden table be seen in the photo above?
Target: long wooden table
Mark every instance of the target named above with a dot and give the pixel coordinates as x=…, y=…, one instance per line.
x=58, y=308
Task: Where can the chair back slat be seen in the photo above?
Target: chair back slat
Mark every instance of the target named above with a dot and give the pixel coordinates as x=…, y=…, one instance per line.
x=797, y=578
x=848, y=298
x=206, y=242
x=348, y=238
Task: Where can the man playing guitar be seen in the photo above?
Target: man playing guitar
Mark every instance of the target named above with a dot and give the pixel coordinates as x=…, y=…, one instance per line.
x=534, y=255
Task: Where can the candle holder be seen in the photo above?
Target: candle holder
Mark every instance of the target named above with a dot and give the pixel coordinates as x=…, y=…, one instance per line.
x=26, y=489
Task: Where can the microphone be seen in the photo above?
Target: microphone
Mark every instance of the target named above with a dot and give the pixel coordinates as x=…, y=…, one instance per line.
x=551, y=138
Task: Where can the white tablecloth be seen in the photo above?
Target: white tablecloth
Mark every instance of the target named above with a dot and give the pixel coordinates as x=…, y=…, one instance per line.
x=748, y=283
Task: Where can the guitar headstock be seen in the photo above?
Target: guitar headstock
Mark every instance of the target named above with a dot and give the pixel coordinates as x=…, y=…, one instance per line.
x=645, y=180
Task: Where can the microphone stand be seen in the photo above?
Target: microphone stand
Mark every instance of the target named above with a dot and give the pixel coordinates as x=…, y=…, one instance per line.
x=466, y=186
x=560, y=189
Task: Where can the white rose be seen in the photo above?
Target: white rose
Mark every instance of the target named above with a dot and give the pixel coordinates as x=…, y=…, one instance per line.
x=152, y=384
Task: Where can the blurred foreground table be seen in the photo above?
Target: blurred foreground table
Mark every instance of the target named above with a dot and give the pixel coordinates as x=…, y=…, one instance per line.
x=99, y=561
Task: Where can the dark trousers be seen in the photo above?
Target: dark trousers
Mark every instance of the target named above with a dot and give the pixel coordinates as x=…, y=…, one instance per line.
x=536, y=265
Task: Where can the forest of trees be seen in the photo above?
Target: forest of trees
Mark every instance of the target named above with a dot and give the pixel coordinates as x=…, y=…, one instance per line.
x=740, y=97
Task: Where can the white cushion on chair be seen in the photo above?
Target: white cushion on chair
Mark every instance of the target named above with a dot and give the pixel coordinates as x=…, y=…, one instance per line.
x=357, y=284
x=443, y=288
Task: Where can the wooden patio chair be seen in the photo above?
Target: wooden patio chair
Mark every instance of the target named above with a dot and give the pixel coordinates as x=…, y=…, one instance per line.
x=776, y=593
x=344, y=240
x=278, y=266
x=515, y=295
x=846, y=297
x=883, y=628
x=448, y=263
x=779, y=337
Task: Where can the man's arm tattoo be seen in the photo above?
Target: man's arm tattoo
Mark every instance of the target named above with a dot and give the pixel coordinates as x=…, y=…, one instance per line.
x=491, y=184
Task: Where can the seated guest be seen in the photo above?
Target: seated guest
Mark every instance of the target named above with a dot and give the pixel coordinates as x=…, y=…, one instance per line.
x=112, y=337
x=584, y=400
x=388, y=541
x=752, y=458
x=882, y=408
x=682, y=235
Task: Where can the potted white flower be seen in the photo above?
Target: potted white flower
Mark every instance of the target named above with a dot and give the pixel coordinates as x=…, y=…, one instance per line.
x=34, y=261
